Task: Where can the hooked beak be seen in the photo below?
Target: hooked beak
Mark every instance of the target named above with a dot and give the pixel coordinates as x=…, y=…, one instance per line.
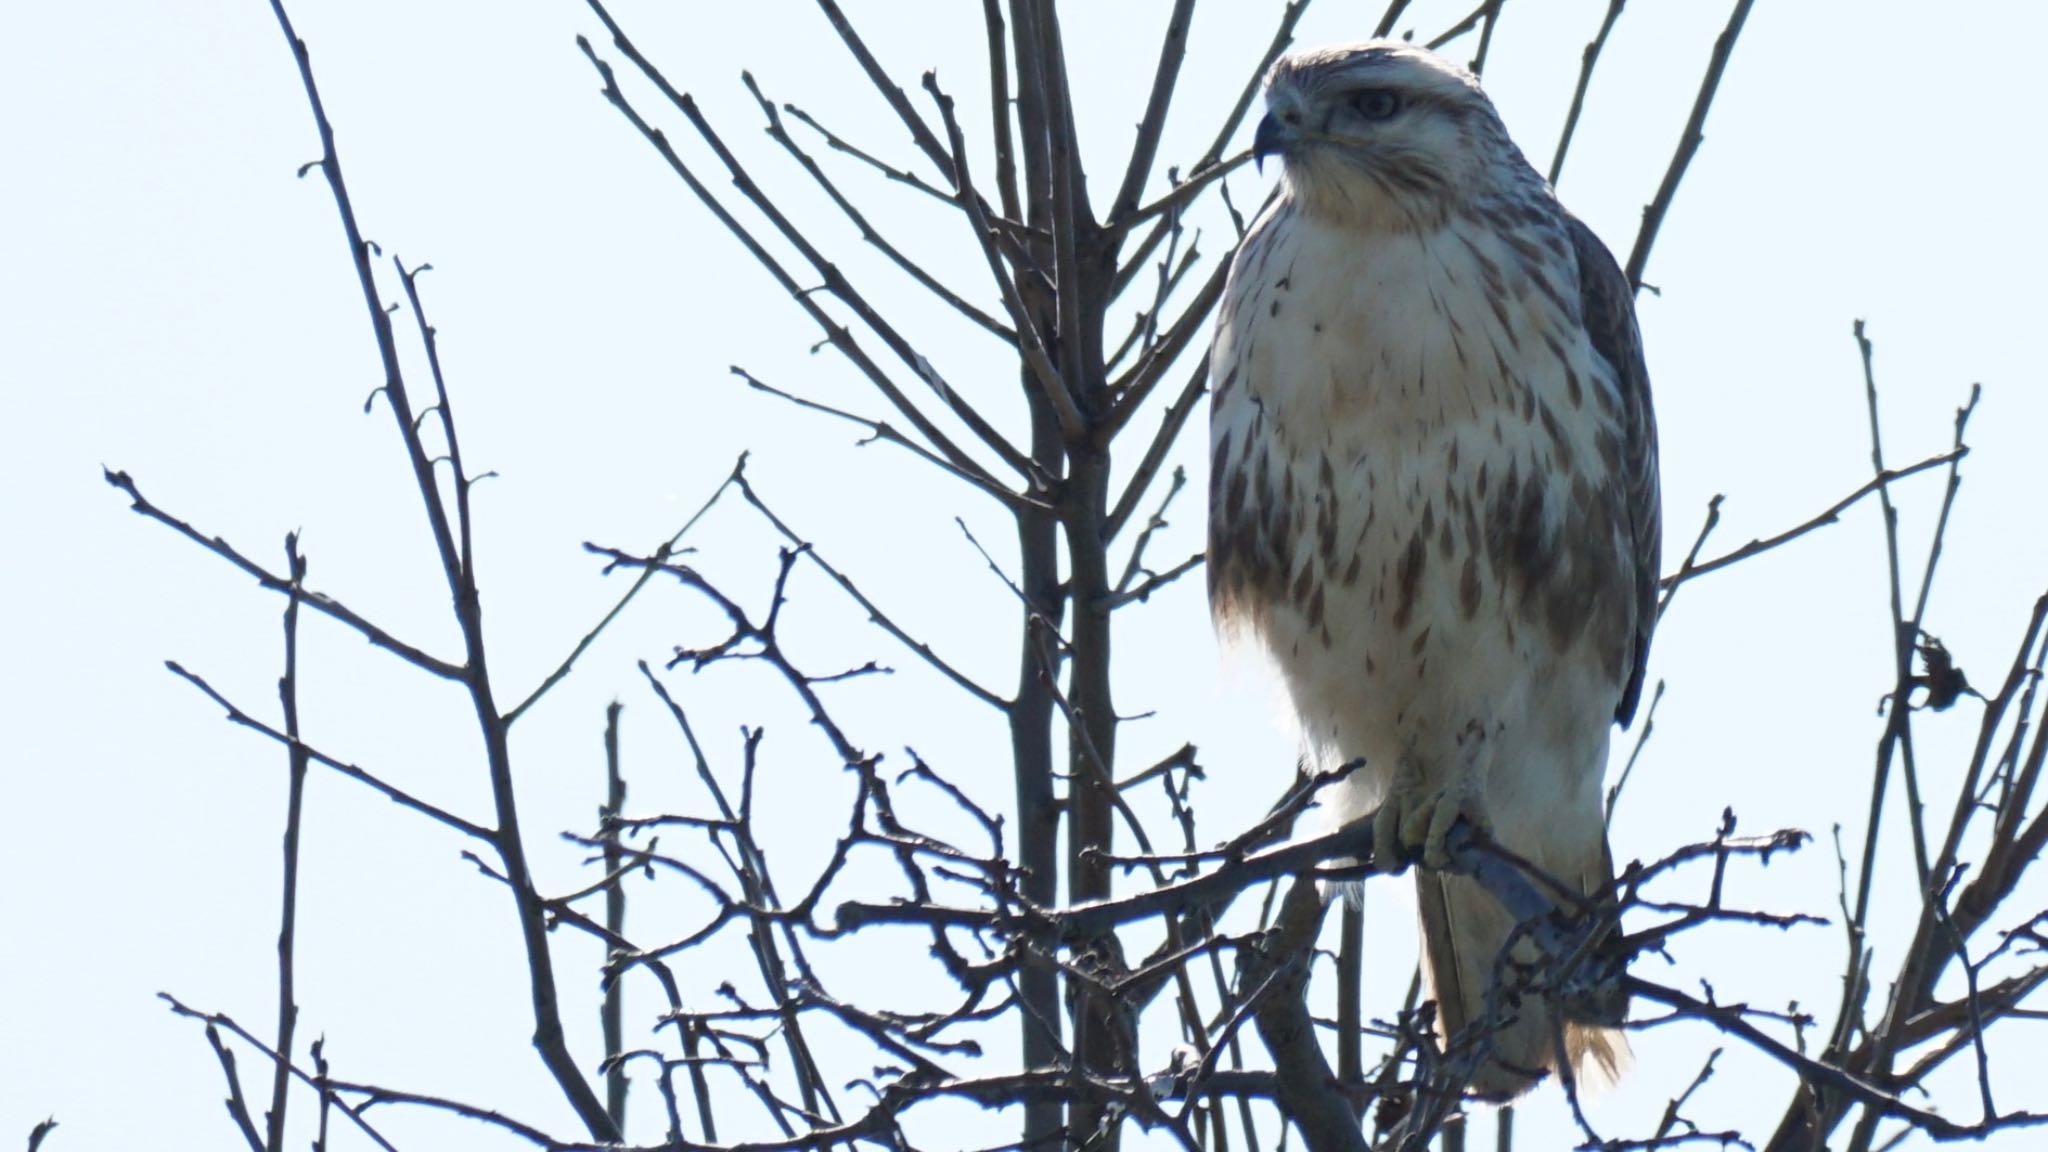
x=1271, y=139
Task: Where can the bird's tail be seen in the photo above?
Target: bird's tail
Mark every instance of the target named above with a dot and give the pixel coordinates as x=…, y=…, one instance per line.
x=1464, y=930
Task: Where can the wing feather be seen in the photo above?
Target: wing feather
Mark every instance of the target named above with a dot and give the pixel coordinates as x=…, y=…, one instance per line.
x=1607, y=305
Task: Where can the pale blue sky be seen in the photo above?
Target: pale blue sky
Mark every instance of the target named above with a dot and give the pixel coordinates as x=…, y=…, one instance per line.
x=176, y=304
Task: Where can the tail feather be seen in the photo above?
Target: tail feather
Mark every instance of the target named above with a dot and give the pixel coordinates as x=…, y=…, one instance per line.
x=1599, y=1054
x=1464, y=930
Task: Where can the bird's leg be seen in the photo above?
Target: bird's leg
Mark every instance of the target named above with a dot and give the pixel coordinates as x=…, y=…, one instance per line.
x=1418, y=813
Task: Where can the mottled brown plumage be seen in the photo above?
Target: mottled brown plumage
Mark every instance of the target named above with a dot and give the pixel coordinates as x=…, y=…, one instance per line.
x=1434, y=497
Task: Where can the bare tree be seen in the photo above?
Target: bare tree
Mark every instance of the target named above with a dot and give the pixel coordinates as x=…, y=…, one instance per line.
x=1050, y=1005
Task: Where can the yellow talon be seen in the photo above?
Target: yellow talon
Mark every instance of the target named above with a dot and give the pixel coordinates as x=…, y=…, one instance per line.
x=1416, y=816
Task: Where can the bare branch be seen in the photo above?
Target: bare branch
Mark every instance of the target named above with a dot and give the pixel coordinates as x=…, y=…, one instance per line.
x=1830, y=515
x=1173, y=46
x=1030, y=345
x=1642, y=738
x=1179, y=197
x=1283, y=35
x=612, y=1013
x=868, y=233
x=667, y=548
x=325, y=605
x=1571, y=118
x=1326, y=1120
x=875, y=614
x=396, y=795
x=836, y=334
x=1734, y=1021
x=839, y=144
x=1688, y=143
x=1170, y=424
x=1137, y=384
x=898, y=100
x=882, y=430
x=295, y=796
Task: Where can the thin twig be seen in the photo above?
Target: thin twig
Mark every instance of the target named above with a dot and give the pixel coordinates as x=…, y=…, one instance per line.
x=1173, y=45
x=868, y=232
x=1171, y=422
x=1030, y=345
x=287, y=932
x=1733, y=1020
x=836, y=334
x=271, y=581
x=881, y=619
x=883, y=431
x=1642, y=738
x=1832, y=514
x=611, y=1014
x=390, y=792
x=1591, y=58
x=1688, y=143
x=666, y=548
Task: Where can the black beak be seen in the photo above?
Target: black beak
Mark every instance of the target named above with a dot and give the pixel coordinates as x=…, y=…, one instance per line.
x=1269, y=140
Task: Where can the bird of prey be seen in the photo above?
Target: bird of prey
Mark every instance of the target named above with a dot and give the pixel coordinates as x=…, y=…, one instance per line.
x=1434, y=502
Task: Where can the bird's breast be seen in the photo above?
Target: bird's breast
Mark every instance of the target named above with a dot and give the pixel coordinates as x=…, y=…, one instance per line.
x=1403, y=427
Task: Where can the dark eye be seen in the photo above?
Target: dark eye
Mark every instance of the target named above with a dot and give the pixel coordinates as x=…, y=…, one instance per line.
x=1376, y=103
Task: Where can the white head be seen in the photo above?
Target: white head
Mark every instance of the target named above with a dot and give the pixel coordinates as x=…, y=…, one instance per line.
x=1386, y=135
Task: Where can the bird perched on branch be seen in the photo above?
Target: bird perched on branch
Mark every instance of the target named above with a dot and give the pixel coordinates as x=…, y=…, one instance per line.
x=1434, y=502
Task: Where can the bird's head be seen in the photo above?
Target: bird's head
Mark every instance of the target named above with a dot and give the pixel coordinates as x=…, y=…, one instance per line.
x=1383, y=135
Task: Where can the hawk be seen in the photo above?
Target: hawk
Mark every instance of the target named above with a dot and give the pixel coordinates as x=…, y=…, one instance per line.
x=1434, y=500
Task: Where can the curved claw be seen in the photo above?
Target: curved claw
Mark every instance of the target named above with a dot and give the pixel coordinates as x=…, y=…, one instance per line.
x=1416, y=817
x=1387, y=854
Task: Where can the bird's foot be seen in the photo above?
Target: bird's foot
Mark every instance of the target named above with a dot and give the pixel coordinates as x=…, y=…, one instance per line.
x=1418, y=815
